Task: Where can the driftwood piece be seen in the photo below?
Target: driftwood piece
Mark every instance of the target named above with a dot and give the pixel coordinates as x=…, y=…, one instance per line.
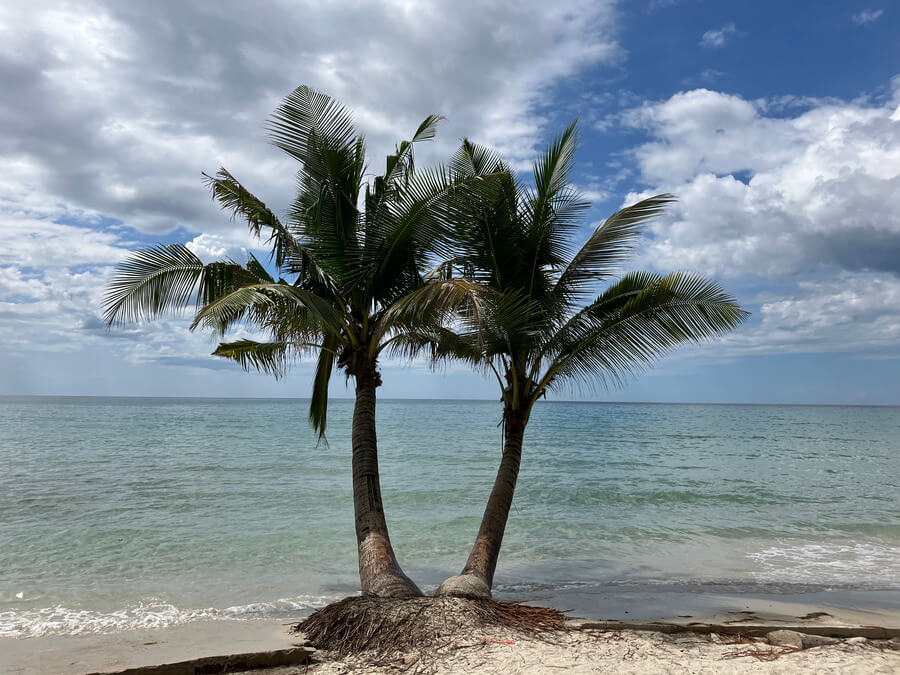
x=748, y=629
x=230, y=663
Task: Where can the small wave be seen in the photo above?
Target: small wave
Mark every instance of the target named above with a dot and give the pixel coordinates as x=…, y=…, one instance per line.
x=149, y=614
x=536, y=587
x=656, y=585
x=282, y=606
x=858, y=563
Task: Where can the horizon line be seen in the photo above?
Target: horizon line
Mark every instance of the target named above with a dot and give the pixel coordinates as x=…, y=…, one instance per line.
x=461, y=400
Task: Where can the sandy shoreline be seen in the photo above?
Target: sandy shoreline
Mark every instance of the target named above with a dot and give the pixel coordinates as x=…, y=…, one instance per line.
x=496, y=651
x=852, y=607
x=64, y=654
x=582, y=651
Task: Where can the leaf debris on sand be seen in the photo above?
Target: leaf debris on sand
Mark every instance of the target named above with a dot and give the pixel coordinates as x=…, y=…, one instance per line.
x=621, y=652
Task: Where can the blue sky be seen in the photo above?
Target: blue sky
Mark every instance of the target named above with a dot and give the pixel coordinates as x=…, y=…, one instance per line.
x=776, y=124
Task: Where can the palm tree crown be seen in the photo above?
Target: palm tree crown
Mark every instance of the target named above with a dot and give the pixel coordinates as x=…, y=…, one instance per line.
x=346, y=252
x=538, y=324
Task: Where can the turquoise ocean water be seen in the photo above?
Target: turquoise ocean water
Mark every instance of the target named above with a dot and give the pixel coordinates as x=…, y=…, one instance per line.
x=118, y=513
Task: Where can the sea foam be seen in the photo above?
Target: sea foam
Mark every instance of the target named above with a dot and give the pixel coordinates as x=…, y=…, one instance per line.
x=151, y=613
x=856, y=564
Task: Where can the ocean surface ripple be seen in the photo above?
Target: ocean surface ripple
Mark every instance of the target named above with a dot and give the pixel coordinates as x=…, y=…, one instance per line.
x=120, y=513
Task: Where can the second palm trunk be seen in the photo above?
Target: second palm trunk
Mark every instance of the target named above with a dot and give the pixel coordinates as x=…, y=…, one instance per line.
x=477, y=576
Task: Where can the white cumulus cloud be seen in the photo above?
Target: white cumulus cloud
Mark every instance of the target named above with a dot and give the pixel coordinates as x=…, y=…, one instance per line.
x=113, y=109
x=118, y=107
x=798, y=201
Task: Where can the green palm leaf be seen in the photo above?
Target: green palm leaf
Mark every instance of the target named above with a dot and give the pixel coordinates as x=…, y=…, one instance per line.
x=430, y=306
x=234, y=197
x=267, y=357
x=401, y=164
x=307, y=124
x=321, y=316
x=637, y=321
x=165, y=278
x=258, y=270
x=151, y=282
x=551, y=174
x=552, y=170
x=476, y=160
x=609, y=245
x=318, y=405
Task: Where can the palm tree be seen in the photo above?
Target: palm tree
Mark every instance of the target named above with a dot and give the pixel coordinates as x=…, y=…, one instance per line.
x=534, y=326
x=344, y=259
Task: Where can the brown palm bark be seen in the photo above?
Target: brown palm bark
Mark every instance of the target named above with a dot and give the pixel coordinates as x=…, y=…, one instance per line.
x=477, y=576
x=379, y=573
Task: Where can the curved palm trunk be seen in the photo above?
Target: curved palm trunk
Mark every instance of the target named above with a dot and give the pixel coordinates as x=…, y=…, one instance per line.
x=477, y=576
x=379, y=572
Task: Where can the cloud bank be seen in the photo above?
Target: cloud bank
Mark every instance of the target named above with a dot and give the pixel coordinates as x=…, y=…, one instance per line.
x=807, y=201
x=117, y=107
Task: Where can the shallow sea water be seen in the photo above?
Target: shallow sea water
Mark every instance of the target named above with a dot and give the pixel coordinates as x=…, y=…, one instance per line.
x=118, y=513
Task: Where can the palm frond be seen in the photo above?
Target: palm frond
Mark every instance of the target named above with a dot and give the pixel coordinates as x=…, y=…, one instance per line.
x=510, y=323
x=401, y=164
x=318, y=404
x=548, y=212
x=258, y=270
x=325, y=213
x=430, y=305
x=441, y=344
x=271, y=358
x=319, y=132
x=552, y=169
x=472, y=159
x=609, y=245
x=440, y=272
x=309, y=122
x=234, y=197
x=639, y=320
x=319, y=313
x=427, y=130
x=220, y=278
x=405, y=230
x=474, y=218
x=153, y=281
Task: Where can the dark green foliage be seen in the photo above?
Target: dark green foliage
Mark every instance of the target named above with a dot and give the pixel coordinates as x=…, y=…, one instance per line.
x=341, y=268
x=526, y=321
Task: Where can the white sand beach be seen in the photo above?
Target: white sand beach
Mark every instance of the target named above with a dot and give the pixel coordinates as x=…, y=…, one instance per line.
x=110, y=652
x=581, y=650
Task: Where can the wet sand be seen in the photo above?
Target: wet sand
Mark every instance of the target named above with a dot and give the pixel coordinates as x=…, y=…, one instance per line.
x=862, y=608
x=64, y=654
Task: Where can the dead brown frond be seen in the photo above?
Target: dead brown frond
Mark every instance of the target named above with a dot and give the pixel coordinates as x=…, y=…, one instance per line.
x=892, y=645
x=383, y=626
x=761, y=652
